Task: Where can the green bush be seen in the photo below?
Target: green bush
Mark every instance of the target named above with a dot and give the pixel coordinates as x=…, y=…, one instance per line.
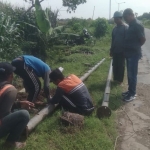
x=147, y=23
x=77, y=27
x=101, y=27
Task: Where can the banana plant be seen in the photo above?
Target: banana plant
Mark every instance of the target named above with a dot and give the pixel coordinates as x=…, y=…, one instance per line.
x=41, y=18
x=44, y=22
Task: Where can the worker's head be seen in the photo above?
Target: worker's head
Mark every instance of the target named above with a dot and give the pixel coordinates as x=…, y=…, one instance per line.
x=6, y=72
x=56, y=76
x=128, y=15
x=118, y=17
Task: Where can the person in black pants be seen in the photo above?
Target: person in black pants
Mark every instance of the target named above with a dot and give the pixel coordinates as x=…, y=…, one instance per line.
x=12, y=124
x=134, y=40
x=30, y=68
x=117, y=47
x=71, y=93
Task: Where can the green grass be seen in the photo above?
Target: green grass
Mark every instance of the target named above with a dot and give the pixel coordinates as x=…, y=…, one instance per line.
x=147, y=26
x=96, y=134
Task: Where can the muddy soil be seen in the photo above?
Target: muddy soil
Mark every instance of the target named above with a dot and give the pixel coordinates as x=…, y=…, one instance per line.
x=23, y=96
x=40, y=103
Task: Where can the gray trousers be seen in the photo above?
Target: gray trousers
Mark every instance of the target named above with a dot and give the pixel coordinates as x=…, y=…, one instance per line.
x=13, y=125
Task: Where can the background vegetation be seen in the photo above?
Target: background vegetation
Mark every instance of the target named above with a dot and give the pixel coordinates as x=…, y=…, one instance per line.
x=145, y=18
x=21, y=33
x=29, y=37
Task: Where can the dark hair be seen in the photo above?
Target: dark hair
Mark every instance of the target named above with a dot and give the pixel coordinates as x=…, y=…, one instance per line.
x=56, y=75
x=3, y=77
x=118, y=17
x=128, y=11
x=6, y=69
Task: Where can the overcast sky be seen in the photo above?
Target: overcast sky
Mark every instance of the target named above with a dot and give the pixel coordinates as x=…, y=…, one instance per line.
x=86, y=10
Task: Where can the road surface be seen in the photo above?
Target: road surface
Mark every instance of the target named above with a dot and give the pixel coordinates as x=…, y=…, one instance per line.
x=134, y=117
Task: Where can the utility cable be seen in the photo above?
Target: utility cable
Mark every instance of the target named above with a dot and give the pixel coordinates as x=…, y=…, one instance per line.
x=132, y=133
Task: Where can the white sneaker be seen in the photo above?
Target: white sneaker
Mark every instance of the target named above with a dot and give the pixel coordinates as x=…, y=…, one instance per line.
x=129, y=98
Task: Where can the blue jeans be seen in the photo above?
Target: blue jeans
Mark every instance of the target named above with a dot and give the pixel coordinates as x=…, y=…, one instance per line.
x=132, y=70
x=13, y=125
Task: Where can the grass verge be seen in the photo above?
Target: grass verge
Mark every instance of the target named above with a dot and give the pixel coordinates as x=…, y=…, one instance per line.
x=96, y=134
x=147, y=26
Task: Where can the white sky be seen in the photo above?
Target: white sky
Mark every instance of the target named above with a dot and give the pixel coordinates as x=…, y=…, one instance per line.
x=86, y=10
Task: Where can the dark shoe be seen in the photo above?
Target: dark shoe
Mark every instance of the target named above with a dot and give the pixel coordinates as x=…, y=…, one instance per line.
x=129, y=98
x=125, y=93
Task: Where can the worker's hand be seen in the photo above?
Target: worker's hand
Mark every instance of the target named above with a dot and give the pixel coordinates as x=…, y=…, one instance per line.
x=40, y=103
x=26, y=105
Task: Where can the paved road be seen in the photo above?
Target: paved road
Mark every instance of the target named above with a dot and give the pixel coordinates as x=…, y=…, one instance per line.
x=144, y=65
x=146, y=47
x=139, y=109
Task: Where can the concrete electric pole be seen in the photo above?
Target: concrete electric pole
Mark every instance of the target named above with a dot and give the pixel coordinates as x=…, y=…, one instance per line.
x=110, y=10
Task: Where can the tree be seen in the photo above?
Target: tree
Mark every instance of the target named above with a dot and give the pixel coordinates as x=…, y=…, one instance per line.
x=145, y=15
x=136, y=15
x=71, y=4
x=101, y=27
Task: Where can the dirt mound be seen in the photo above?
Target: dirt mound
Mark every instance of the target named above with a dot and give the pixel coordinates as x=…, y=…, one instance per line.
x=23, y=96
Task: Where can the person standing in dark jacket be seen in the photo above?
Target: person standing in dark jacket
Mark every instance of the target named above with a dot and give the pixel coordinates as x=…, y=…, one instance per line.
x=71, y=93
x=134, y=39
x=11, y=124
x=30, y=68
x=117, y=47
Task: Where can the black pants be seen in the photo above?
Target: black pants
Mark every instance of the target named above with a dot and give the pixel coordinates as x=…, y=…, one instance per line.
x=31, y=82
x=67, y=105
x=118, y=66
x=14, y=124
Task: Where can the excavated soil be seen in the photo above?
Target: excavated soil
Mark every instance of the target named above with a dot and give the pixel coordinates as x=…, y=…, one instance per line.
x=23, y=96
x=39, y=104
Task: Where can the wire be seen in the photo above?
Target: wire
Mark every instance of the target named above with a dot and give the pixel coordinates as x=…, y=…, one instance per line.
x=132, y=133
x=122, y=136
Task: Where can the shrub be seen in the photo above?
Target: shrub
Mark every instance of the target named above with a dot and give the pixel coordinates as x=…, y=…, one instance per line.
x=101, y=27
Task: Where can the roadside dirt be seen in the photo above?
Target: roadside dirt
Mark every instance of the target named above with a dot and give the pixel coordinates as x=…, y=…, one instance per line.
x=134, y=117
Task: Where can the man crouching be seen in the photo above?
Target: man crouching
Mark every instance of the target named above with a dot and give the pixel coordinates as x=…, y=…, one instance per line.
x=71, y=93
x=12, y=124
